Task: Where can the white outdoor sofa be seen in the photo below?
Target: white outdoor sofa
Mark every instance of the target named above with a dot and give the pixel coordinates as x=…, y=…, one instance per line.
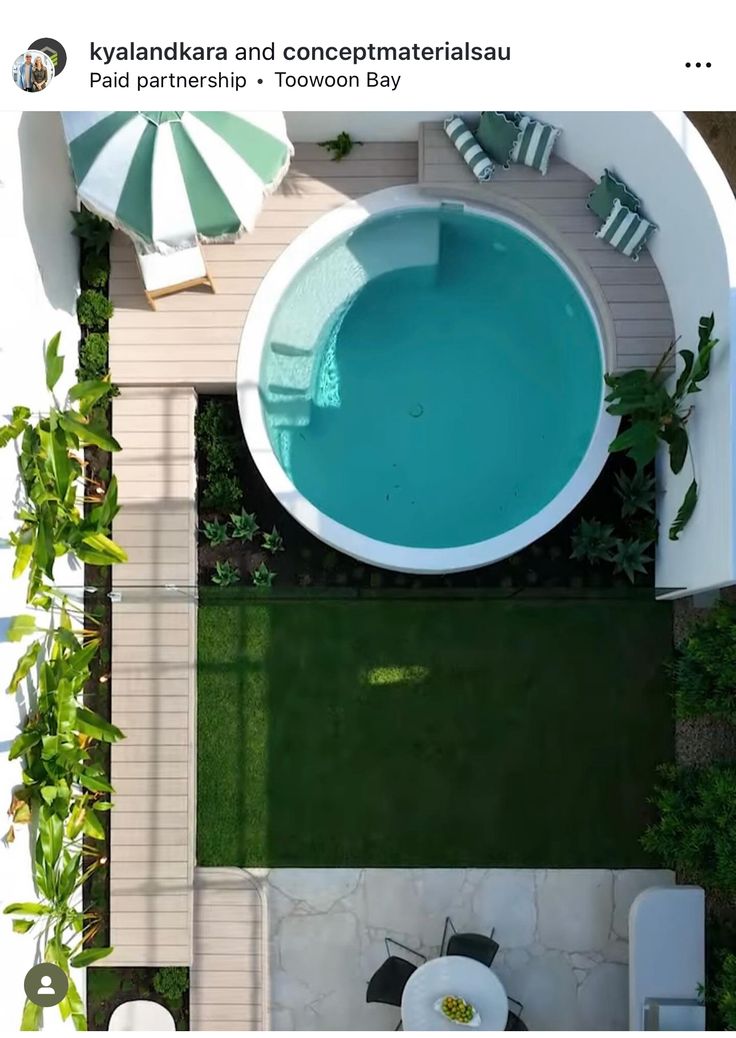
x=667, y=960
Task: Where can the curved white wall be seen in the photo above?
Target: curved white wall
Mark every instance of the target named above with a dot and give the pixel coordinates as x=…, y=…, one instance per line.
x=666, y=161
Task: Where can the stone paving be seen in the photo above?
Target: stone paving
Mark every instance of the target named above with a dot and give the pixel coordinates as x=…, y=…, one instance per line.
x=563, y=937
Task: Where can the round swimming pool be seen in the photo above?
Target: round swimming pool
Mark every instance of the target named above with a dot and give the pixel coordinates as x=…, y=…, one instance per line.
x=422, y=387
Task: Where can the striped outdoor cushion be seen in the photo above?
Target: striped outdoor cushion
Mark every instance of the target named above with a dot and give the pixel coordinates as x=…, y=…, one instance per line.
x=478, y=162
x=535, y=143
x=626, y=231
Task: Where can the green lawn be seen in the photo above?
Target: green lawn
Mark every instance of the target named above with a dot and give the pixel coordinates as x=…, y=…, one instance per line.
x=429, y=733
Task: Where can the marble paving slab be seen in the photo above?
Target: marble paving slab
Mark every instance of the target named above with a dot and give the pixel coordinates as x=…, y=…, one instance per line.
x=563, y=937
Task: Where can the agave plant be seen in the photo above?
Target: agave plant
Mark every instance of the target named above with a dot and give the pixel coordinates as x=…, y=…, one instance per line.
x=630, y=557
x=637, y=492
x=273, y=541
x=263, y=576
x=244, y=525
x=225, y=574
x=592, y=541
x=656, y=415
x=216, y=533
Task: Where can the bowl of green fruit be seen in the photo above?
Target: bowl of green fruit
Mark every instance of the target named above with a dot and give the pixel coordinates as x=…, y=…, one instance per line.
x=456, y=1009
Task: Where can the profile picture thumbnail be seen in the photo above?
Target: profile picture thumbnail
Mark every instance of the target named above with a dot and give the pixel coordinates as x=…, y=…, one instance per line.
x=33, y=71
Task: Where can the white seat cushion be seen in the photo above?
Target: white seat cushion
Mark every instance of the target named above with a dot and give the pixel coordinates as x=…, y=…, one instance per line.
x=162, y=270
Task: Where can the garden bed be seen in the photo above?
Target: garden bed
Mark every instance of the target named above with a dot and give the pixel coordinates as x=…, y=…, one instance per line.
x=306, y=562
x=109, y=987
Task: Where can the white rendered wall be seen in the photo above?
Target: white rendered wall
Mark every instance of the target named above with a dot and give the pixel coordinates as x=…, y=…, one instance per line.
x=38, y=288
x=667, y=163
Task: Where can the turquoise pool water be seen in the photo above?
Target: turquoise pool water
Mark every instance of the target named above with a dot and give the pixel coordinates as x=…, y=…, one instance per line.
x=432, y=379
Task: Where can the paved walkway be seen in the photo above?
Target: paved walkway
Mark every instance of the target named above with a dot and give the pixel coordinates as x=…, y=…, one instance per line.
x=229, y=977
x=563, y=936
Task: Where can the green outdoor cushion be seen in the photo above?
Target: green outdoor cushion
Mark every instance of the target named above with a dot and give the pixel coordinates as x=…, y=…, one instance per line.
x=534, y=144
x=626, y=231
x=604, y=194
x=497, y=136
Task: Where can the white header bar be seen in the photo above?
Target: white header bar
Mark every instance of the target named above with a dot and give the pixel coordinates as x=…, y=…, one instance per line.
x=377, y=55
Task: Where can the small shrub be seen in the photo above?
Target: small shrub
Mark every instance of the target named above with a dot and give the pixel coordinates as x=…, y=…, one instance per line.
x=244, y=525
x=171, y=982
x=216, y=533
x=225, y=574
x=704, y=671
x=263, y=576
x=592, y=541
x=222, y=492
x=93, y=309
x=273, y=541
x=339, y=147
x=696, y=831
x=221, y=489
x=95, y=270
x=92, y=230
x=725, y=992
x=93, y=365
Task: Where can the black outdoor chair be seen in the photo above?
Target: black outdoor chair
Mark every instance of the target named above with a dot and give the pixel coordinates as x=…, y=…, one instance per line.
x=388, y=982
x=513, y=1020
x=472, y=945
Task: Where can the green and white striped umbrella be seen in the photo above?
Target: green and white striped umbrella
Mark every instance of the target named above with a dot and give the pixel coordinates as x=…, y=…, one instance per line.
x=170, y=179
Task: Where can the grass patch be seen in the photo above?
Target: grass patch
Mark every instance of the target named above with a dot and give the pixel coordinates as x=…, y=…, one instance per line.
x=429, y=733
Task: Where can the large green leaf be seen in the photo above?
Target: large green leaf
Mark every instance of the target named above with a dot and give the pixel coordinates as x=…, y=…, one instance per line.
x=104, y=547
x=24, y=544
x=23, y=742
x=32, y=1017
x=51, y=833
x=93, y=826
x=34, y=908
x=677, y=439
x=92, y=724
x=23, y=925
x=103, y=515
x=24, y=665
x=86, y=394
x=59, y=458
x=639, y=441
x=20, y=627
x=86, y=958
x=688, y=358
x=16, y=425
x=684, y=512
x=87, y=433
x=54, y=363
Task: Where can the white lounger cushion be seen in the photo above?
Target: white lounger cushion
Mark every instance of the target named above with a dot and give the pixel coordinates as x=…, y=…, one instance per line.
x=163, y=270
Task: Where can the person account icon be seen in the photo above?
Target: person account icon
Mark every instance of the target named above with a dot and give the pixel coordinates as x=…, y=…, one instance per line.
x=46, y=985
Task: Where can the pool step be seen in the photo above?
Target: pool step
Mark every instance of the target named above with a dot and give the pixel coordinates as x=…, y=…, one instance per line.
x=288, y=410
x=289, y=371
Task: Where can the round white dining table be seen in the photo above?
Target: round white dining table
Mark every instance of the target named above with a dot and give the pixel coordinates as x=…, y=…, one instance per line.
x=453, y=975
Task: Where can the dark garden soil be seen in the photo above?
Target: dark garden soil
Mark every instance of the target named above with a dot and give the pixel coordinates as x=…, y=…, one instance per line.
x=307, y=562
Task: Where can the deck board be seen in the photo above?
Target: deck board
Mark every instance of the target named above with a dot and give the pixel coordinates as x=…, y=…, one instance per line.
x=229, y=976
x=193, y=337
x=154, y=674
x=633, y=293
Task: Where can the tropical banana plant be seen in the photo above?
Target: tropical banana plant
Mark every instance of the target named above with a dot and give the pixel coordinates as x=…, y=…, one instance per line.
x=657, y=415
x=63, y=788
x=61, y=928
x=53, y=520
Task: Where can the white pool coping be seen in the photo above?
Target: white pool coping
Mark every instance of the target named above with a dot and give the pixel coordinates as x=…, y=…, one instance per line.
x=337, y=535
